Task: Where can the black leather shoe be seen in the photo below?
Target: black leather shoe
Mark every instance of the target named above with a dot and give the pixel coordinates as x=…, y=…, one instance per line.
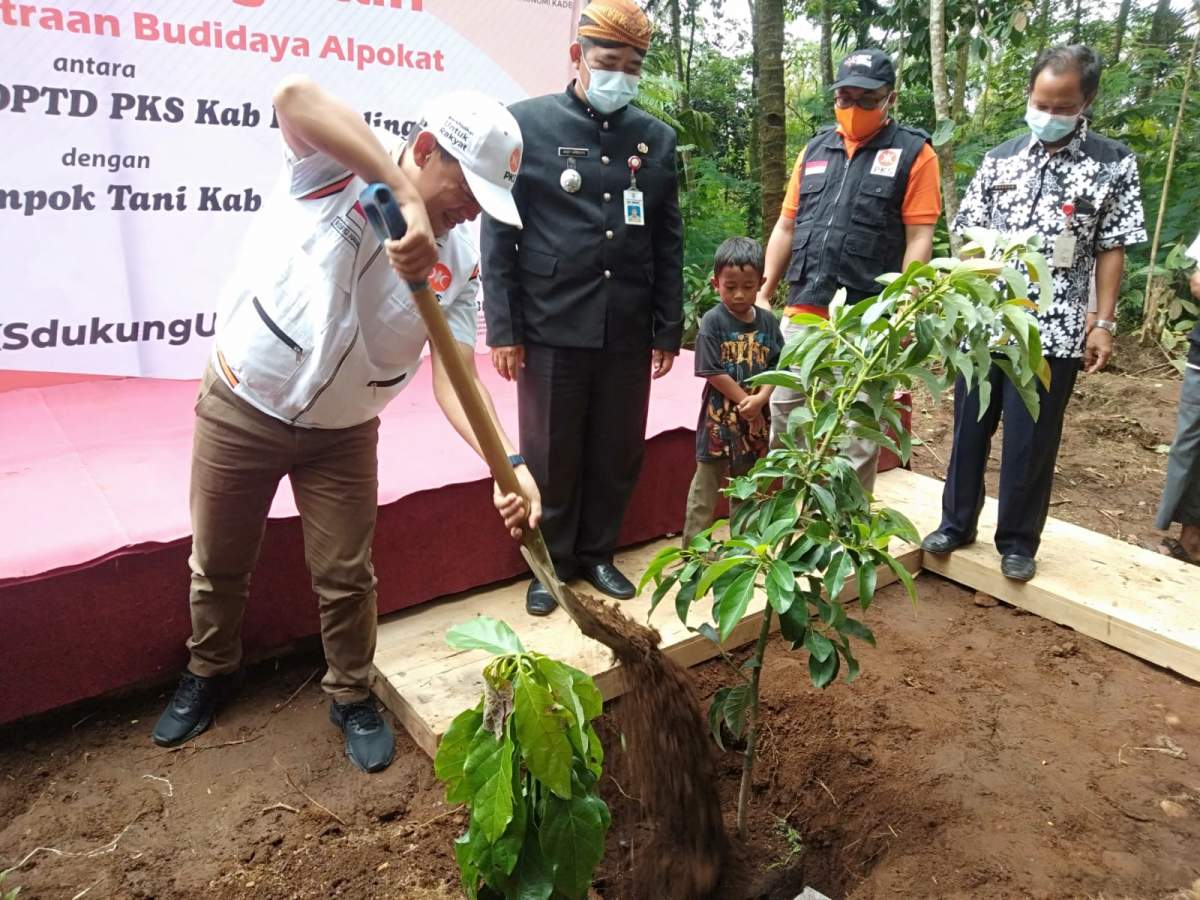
x=370, y=743
x=191, y=709
x=538, y=600
x=1017, y=567
x=607, y=579
x=941, y=542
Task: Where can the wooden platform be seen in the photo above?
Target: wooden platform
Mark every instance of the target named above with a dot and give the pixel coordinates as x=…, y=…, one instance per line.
x=1131, y=598
x=1125, y=596
x=426, y=683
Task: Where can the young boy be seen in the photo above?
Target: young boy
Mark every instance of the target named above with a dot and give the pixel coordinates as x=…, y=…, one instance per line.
x=737, y=340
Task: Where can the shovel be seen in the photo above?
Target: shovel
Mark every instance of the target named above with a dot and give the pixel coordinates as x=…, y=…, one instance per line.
x=383, y=213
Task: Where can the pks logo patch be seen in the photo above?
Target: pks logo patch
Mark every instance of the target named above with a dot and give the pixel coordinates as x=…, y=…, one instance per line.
x=886, y=162
x=440, y=278
x=514, y=161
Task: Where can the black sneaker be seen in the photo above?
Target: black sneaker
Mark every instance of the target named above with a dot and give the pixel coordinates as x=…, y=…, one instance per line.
x=191, y=709
x=370, y=743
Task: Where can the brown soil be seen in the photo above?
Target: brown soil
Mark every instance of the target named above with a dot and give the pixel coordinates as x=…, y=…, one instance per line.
x=983, y=753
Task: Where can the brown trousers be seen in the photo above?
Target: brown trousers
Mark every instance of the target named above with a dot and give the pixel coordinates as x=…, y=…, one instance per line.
x=239, y=456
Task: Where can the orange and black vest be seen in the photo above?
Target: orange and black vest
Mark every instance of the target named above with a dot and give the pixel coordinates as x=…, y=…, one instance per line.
x=848, y=220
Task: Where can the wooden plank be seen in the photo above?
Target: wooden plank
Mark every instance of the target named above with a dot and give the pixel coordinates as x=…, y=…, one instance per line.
x=1131, y=598
x=426, y=683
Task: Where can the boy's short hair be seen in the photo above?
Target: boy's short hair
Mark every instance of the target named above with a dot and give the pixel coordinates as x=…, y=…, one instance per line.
x=739, y=252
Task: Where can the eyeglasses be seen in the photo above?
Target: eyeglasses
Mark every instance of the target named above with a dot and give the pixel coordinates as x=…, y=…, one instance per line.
x=862, y=101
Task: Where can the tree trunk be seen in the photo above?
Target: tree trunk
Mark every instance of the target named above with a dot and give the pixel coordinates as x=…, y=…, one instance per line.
x=772, y=133
x=754, y=157
x=676, y=40
x=826, y=53
x=942, y=110
x=962, y=62
x=1160, y=25
x=1043, y=25
x=1150, y=323
x=1077, y=23
x=1119, y=35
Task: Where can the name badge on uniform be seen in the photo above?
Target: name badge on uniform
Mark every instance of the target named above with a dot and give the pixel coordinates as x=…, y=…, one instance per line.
x=635, y=212
x=886, y=162
x=1063, y=254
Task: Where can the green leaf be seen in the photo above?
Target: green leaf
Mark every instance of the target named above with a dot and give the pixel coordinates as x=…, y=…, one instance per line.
x=661, y=591
x=823, y=672
x=484, y=633
x=562, y=687
x=851, y=663
x=533, y=877
x=819, y=646
x=781, y=585
x=734, y=602
x=737, y=704
x=719, y=568
x=542, y=735
x=866, y=583
x=793, y=624
x=943, y=132
x=684, y=599
x=902, y=574
x=858, y=630
x=464, y=854
x=489, y=775
x=497, y=860
x=585, y=689
x=716, y=714
x=835, y=576
x=572, y=836
x=708, y=632
x=661, y=560
x=451, y=755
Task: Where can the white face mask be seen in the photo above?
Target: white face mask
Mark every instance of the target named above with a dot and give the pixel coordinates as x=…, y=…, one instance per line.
x=1048, y=127
x=609, y=91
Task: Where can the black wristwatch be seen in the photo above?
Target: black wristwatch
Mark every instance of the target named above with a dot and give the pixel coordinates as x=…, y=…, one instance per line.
x=516, y=459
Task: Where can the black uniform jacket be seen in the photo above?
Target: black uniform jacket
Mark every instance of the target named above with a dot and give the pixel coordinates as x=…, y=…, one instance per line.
x=577, y=275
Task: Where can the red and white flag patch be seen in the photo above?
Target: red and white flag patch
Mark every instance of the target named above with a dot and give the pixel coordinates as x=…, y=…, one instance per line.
x=816, y=166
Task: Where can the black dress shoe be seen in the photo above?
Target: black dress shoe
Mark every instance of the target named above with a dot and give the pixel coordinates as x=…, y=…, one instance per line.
x=538, y=600
x=1017, y=567
x=370, y=743
x=191, y=709
x=941, y=542
x=607, y=579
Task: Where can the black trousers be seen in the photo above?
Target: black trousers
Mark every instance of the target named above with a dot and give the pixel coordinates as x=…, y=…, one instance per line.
x=1026, y=462
x=583, y=434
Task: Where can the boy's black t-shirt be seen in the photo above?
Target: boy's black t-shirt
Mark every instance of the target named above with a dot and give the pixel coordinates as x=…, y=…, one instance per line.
x=727, y=346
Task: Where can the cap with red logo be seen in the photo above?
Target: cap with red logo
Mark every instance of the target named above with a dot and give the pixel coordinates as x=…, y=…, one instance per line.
x=485, y=139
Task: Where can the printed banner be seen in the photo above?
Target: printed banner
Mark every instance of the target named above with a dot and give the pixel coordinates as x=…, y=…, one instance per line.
x=139, y=139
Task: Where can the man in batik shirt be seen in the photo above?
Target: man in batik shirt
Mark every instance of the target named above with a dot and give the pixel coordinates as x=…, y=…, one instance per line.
x=1079, y=191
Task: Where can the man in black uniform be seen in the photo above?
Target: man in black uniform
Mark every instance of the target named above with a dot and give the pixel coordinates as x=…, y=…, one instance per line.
x=585, y=303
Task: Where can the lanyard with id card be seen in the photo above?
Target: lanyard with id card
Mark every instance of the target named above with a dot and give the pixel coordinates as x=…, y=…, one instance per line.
x=635, y=210
x=1063, y=253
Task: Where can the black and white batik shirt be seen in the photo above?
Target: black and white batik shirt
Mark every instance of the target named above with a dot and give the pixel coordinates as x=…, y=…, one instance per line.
x=1090, y=187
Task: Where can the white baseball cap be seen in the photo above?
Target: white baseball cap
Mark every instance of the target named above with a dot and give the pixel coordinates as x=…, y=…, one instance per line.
x=485, y=139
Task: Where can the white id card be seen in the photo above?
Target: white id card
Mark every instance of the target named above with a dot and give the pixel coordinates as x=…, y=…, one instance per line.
x=1063, y=256
x=635, y=213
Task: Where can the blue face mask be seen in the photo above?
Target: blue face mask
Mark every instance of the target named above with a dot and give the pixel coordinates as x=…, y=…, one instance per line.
x=609, y=91
x=1047, y=127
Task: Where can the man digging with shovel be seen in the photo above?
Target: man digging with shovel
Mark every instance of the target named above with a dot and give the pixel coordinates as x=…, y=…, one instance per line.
x=315, y=336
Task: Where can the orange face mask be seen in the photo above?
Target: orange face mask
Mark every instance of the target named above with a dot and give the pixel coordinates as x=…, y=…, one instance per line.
x=858, y=124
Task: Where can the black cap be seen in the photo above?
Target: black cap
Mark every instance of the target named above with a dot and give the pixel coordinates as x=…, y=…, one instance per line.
x=869, y=69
